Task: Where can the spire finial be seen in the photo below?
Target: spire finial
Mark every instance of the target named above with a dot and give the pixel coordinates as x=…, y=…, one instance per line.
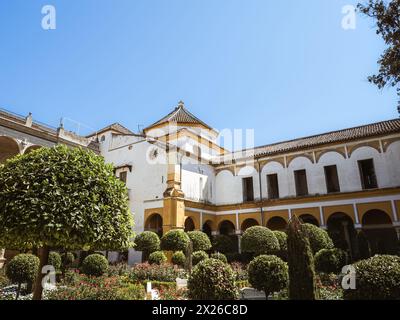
x=181, y=104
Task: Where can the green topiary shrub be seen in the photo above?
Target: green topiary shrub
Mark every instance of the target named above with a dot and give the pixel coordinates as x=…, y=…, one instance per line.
x=259, y=240
x=147, y=241
x=198, y=256
x=268, y=273
x=224, y=244
x=219, y=256
x=23, y=268
x=175, y=240
x=319, y=238
x=157, y=257
x=55, y=260
x=67, y=259
x=302, y=284
x=377, y=278
x=282, y=239
x=212, y=279
x=178, y=258
x=330, y=260
x=95, y=265
x=200, y=240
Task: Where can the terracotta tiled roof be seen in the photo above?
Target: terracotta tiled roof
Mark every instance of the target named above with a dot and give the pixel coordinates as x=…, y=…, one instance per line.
x=365, y=131
x=179, y=115
x=115, y=126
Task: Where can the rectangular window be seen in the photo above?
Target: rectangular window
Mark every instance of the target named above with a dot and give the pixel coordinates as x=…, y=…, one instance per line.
x=122, y=176
x=300, y=179
x=367, y=174
x=331, y=178
x=248, y=194
x=272, y=185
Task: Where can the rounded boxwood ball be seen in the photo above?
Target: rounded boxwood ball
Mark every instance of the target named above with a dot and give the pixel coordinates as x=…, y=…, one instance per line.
x=175, y=240
x=147, y=241
x=157, y=257
x=259, y=240
x=95, y=265
x=319, y=238
x=330, y=260
x=212, y=279
x=377, y=278
x=198, y=256
x=200, y=240
x=55, y=260
x=22, y=268
x=268, y=273
x=282, y=239
x=219, y=256
x=67, y=259
x=178, y=258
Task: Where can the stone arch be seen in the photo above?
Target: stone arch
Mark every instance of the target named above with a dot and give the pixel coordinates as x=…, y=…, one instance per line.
x=9, y=148
x=207, y=228
x=308, y=218
x=247, y=223
x=230, y=169
x=32, y=148
x=189, y=224
x=277, y=223
x=373, y=145
x=387, y=143
x=380, y=232
x=265, y=165
x=290, y=159
x=320, y=155
x=342, y=232
x=226, y=227
x=154, y=223
x=246, y=170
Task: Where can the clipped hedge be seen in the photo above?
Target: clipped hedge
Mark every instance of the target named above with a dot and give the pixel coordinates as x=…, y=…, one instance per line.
x=377, y=278
x=268, y=273
x=55, y=260
x=200, y=240
x=22, y=268
x=175, y=240
x=147, y=241
x=67, y=259
x=219, y=256
x=198, y=256
x=178, y=258
x=330, y=260
x=95, y=265
x=157, y=257
x=319, y=238
x=259, y=240
x=212, y=279
x=282, y=239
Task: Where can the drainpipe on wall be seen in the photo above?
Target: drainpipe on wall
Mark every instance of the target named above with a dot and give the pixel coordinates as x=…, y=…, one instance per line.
x=261, y=197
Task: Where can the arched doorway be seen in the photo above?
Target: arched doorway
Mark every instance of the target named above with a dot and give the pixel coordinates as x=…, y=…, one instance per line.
x=379, y=230
x=277, y=223
x=227, y=228
x=308, y=218
x=248, y=223
x=342, y=232
x=207, y=228
x=189, y=224
x=8, y=148
x=154, y=223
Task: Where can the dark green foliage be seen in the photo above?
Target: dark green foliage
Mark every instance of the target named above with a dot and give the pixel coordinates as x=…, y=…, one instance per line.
x=330, y=260
x=319, y=238
x=67, y=259
x=55, y=260
x=282, y=239
x=200, y=240
x=302, y=285
x=259, y=240
x=157, y=257
x=219, y=256
x=223, y=243
x=212, y=279
x=178, y=258
x=268, y=273
x=147, y=241
x=175, y=240
x=364, y=248
x=387, y=16
x=198, y=256
x=95, y=265
x=63, y=197
x=377, y=278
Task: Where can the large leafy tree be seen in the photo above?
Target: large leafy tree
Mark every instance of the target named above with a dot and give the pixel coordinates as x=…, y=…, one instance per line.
x=387, y=16
x=62, y=197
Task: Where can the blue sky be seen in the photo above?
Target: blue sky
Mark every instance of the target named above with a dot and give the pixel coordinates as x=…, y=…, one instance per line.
x=285, y=68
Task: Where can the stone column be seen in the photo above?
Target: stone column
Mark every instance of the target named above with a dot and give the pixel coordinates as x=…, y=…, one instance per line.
x=2, y=259
x=239, y=236
x=347, y=237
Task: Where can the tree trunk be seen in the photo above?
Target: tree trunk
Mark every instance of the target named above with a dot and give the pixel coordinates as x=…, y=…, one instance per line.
x=44, y=257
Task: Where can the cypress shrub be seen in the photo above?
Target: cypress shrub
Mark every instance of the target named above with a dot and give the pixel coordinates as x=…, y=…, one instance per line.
x=302, y=284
